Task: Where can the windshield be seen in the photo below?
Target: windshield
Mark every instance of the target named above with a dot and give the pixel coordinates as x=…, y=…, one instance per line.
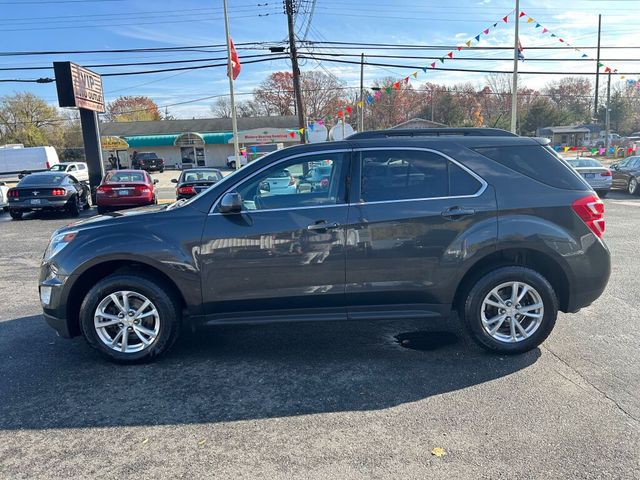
x=35, y=179
x=584, y=163
x=125, y=177
x=201, y=176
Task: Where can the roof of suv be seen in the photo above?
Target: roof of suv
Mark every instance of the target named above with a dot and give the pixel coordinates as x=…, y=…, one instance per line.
x=432, y=132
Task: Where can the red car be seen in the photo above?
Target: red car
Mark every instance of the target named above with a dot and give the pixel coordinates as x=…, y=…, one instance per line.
x=125, y=188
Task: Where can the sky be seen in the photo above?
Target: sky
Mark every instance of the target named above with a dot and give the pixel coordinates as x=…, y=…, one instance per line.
x=56, y=25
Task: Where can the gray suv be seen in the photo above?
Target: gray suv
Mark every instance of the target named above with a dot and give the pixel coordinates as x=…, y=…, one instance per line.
x=494, y=227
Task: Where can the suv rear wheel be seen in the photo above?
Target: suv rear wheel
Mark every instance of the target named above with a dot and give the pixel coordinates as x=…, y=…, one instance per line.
x=130, y=318
x=511, y=310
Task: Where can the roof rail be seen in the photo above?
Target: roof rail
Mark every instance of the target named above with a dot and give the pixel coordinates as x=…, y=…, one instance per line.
x=432, y=132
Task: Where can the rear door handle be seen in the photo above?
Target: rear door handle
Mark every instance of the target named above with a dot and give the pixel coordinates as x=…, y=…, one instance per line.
x=321, y=225
x=456, y=213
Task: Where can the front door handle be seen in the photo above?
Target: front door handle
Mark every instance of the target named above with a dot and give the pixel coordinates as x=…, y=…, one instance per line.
x=457, y=213
x=321, y=225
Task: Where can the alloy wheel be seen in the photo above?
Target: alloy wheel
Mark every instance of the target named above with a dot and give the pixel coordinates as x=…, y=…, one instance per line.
x=512, y=312
x=633, y=186
x=127, y=321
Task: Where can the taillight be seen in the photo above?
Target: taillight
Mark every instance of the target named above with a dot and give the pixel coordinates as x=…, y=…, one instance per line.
x=13, y=193
x=141, y=189
x=186, y=190
x=606, y=173
x=104, y=189
x=58, y=192
x=591, y=211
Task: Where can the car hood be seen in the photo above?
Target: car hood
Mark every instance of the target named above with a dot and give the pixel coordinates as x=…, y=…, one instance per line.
x=114, y=217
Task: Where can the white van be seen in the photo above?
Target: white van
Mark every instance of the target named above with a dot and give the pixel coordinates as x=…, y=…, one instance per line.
x=31, y=159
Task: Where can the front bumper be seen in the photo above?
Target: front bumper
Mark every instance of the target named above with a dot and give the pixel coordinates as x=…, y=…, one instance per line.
x=55, y=308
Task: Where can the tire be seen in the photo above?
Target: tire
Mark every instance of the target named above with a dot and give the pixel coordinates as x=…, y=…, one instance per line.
x=74, y=206
x=87, y=203
x=633, y=187
x=602, y=193
x=161, y=170
x=5, y=209
x=475, y=307
x=15, y=215
x=102, y=210
x=162, y=298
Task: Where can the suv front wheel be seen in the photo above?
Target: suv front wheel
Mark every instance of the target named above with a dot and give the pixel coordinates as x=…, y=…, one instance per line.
x=130, y=318
x=511, y=310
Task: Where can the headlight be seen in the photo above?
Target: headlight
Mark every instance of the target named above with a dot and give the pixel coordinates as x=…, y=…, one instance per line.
x=57, y=243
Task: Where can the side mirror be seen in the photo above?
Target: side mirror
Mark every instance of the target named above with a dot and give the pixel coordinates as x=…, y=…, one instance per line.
x=614, y=166
x=21, y=176
x=174, y=180
x=156, y=181
x=231, y=202
x=2, y=184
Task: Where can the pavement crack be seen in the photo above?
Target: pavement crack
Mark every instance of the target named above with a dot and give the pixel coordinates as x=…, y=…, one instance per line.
x=592, y=385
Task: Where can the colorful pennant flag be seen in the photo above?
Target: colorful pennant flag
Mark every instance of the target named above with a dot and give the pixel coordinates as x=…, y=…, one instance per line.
x=396, y=85
x=506, y=19
x=415, y=74
x=369, y=99
x=522, y=14
x=359, y=104
x=433, y=65
x=468, y=43
x=477, y=38
x=349, y=110
x=486, y=31
x=450, y=54
x=530, y=20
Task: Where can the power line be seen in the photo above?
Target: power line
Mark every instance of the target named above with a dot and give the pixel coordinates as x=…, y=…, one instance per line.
x=470, y=70
x=192, y=48
x=110, y=65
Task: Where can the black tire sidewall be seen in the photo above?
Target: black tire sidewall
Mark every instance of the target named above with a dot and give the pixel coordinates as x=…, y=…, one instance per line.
x=475, y=297
x=166, y=305
x=15, y=215
x=74, y=206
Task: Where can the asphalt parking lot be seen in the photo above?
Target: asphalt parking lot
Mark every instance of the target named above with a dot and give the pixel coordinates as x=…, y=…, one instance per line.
x=323, y=400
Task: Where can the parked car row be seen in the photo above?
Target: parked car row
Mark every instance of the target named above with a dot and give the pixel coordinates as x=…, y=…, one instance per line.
x=624, y=175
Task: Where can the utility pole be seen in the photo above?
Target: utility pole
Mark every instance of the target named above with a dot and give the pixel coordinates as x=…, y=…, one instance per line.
x=234, y=119
x=608, y=115
x=595, y=105
x=514, y=88
x=361, y=122
x=290, y=10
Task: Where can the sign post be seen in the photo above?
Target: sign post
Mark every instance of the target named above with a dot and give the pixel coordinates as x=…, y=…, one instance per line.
x=81, y=88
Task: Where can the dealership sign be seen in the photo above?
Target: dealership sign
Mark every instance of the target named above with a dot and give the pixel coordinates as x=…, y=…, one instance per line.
x=266, y=135
x=78, y=87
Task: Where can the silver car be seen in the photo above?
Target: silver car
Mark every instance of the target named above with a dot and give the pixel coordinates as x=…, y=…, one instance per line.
x=596, y=174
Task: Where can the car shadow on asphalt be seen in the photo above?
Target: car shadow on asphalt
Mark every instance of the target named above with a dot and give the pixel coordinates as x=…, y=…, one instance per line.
x=230, y=373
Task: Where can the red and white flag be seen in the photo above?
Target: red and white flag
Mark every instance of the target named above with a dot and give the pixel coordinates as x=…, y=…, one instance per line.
x=235, y=61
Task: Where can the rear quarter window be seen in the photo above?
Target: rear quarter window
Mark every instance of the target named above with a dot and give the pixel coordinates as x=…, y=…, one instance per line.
x=536, y=162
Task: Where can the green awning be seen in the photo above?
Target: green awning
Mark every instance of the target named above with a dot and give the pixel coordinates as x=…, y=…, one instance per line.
x=151, y=141
x=217, y=138
x=138, y=141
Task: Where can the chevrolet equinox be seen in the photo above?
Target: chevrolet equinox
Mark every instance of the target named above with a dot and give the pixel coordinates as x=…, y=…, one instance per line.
x=492, y=226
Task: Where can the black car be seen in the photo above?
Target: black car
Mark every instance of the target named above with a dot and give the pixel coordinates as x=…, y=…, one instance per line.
x=148, y=161
x=48, y=191
x=626, y=175
x=195, y=180
x=495, y=228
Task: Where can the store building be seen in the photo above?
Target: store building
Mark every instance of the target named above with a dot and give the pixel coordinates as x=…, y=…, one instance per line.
x=198, y=142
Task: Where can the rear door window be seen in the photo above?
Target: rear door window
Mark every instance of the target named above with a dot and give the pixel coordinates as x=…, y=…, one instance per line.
x=388, y=175
x=535, y=162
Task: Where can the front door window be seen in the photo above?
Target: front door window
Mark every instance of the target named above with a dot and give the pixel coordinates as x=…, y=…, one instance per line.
x=310, y=181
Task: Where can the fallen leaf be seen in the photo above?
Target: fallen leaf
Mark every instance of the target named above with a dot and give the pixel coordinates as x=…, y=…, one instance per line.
x=202, y=442
x=145, y=441
x=438, y=452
